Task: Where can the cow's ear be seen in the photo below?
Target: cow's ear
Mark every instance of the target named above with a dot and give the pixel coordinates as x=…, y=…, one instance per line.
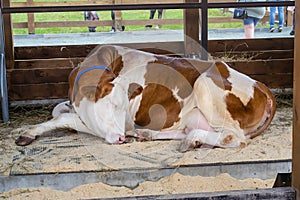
x=89, y=92
x=103, y=90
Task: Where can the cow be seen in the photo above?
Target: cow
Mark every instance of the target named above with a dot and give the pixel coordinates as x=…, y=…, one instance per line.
x=118, y=93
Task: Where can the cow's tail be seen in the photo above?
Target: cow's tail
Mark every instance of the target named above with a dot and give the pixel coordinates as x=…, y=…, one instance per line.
x=270, y=109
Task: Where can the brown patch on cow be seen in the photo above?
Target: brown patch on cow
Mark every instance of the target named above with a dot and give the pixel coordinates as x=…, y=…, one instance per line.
x=158, y=108
x=72, y=78
x=249, y=115
x=134, y=90
x=227, y=140
x=117, y=64
x=219, y=75
x=104, y=86
x=176, y=72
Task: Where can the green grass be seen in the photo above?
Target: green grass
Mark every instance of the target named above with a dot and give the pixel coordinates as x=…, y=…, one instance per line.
x=105, y=15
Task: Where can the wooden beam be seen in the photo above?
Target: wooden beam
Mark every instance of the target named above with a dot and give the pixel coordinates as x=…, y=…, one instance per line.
x=118, y=17
x=30, y=16
x=191, y=31
x=296, y=107
x=8, y=37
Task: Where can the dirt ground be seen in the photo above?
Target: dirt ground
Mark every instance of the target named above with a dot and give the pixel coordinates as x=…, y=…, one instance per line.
x=64, y=151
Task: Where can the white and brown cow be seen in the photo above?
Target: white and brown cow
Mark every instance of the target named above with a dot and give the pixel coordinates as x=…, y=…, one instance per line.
x=118, y=92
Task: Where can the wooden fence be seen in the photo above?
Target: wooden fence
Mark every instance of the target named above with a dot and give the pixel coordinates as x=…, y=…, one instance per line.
x=31, y=24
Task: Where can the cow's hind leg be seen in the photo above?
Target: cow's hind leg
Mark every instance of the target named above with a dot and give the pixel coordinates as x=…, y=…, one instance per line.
x=63, y=121
x=192, y=120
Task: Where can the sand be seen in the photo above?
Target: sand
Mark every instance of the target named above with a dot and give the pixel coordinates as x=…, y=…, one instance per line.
x=174, y=184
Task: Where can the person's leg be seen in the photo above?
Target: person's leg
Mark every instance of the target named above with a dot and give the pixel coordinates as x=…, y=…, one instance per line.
x=160, y=11
x=293, y=28
x=280, y=18
x=272, y=18
x=152, y=13
x=294, y=18
x=112, y=15
x=249, y=31
x=249, y=27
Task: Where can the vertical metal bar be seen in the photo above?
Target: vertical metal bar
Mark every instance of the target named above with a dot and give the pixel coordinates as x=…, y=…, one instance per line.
x=204, y=30
x=3, y=82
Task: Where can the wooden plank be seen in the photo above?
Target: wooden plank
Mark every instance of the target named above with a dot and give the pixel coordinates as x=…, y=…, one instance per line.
x=30, y=19
x=296, y=107
x=8, y=37
x=264, y=67
x=191, y=20
x=44, y=52
x=152, y=21
x=50, y=75
x=38, y=91
x=70, y=51
x=118, y=17
x=48, y=63
x=215, y=46
x=275, y=80
x=260, y=44
x=96, y=23
x=73, y=23
x=255, y=55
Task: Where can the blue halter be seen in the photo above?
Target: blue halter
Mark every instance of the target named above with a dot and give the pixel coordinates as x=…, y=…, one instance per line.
x=84, y=71
x=89, y=69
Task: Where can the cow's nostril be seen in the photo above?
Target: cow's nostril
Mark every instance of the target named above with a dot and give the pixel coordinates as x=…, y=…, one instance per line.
x=121, y=139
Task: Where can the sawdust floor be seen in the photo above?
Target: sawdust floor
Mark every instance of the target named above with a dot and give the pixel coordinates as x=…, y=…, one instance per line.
x=64, y=151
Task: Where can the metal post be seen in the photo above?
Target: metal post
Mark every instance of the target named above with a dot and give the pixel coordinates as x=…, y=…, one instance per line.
x=3, y=82
x=204, y=30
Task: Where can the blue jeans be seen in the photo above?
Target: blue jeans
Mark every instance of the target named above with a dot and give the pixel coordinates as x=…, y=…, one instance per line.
x=280, y=15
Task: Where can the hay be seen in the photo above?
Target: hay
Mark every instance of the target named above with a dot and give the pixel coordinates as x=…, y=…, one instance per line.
x=28, y=115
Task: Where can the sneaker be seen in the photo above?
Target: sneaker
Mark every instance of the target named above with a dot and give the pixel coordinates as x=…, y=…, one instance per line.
x=148, y=26
x=272, y=30
x=280, y=29
x=113, y=29
x=292, y=32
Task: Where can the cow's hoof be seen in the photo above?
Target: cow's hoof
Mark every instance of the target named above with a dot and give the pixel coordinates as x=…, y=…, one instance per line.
x=130, y=139
x=143, y=136
x=24, y=140
x=186, y=145
x=140, y=135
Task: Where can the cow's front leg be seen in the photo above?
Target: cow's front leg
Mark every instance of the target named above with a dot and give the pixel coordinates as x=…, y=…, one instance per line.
x=198, y=137
x=65, y=121
x=148, y=135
